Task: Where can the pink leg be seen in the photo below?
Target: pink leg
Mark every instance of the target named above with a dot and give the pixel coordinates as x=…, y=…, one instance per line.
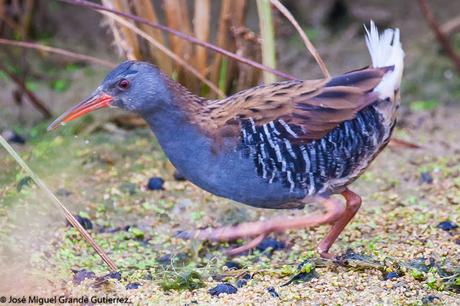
x=334, y=211
x=353, y=203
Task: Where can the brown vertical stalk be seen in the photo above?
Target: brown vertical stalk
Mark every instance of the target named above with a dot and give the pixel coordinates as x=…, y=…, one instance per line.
x=238, y=21
x=267, y=35
x=130, y=38
x=201, y=24
x=145, y=9
x=222, y=37
x=2, y=7
x=118, y=37
x=186, y=27
x=177, y=17
x=175, y=11
x=26, y=17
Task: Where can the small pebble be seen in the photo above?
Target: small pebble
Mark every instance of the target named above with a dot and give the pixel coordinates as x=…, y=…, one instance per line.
x=271, y=243
x=391, y=275
x=241, y=283
x=247, y=276
x=426, y=178
x=447, y=226
x=429, y=299
x=170, y=259
x=222, y=288
x=132, y=286
x=178, y=176
x=85, y=222
x=273, y=292
x=115, y=275
x=24, y=182
x=155, y=183
x=81, y=275
x=232, y=265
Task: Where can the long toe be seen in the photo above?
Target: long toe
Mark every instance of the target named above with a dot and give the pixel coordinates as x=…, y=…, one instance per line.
x=246, y=247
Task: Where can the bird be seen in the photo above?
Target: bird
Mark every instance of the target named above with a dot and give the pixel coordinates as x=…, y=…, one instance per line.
x=276, y=146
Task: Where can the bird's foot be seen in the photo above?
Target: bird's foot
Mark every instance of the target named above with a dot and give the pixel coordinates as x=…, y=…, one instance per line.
x=325, y=254
x=261, y=229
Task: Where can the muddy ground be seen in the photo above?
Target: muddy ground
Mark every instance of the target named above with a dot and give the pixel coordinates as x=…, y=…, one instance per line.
x=402, y=248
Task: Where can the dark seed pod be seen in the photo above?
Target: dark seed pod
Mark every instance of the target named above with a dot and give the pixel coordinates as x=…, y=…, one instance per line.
x=447, y=226
x=132, y=286
x=270, y=243
x=391, y=275
x=81, y=275
x=232, y=265
x=273, y=292
x=222, y=288
x=155, y=183
x=85, y=222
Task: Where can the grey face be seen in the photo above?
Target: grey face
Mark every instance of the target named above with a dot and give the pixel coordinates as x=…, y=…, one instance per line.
x=134, y=86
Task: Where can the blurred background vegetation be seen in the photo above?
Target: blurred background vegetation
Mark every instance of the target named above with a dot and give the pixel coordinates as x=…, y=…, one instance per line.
x=103, y=176
x=37, y=85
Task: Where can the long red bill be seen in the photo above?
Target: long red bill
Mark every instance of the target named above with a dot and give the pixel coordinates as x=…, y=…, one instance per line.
x=96, y=101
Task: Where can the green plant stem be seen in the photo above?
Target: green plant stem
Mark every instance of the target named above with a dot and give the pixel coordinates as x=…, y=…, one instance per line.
x=268, y=38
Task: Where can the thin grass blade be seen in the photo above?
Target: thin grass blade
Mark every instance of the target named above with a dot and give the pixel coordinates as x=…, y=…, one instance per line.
x=69, y=216
x=310, y=47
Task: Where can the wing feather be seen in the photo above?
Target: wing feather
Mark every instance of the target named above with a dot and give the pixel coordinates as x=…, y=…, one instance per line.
x=309, y=109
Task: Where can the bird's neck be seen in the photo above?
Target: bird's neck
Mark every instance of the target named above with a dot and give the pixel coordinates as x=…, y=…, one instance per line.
x=182, y=100
x=176, y=112
x=173, y=123
x=182, y=140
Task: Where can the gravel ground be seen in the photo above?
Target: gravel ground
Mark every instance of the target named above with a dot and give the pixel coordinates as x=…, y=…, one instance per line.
x=406, y=192
x=402, y=248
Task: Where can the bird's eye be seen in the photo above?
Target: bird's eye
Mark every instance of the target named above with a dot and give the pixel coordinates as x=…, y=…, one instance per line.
x=123, y=84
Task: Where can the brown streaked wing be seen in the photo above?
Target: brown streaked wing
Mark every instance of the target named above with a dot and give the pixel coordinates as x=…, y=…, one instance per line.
x=311, y=108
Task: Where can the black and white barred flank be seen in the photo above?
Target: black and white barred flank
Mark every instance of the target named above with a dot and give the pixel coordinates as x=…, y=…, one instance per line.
x=309, y=166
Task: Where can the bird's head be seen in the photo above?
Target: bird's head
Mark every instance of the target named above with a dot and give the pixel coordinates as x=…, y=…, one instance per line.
x=132, y=86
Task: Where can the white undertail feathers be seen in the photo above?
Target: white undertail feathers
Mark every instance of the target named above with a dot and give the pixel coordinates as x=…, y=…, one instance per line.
x=385, y=50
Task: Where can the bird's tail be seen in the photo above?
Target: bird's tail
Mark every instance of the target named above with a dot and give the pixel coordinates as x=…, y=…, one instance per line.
x=386, y=51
